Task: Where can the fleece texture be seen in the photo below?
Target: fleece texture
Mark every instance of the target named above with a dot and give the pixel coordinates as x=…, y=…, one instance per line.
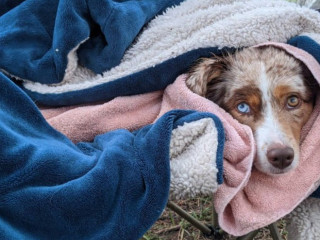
x=238, y=151
x=195, y=146
x=167, y=46
x=304, y=222
x=36, y=36
x=196, y=152
x=189, y=173
x=112, y=188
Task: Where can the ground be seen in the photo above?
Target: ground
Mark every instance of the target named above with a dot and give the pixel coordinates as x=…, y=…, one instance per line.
x=171, y=226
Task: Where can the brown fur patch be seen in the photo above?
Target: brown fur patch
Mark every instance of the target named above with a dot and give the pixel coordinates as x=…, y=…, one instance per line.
x=206, y=70
x=282, y=92
x=249, y=95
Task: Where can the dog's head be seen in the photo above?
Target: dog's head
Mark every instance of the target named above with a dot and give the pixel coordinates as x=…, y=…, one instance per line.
x=266, y=89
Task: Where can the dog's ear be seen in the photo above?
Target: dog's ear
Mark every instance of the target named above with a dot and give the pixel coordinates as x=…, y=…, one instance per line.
x=204, y=72
x=310, y=81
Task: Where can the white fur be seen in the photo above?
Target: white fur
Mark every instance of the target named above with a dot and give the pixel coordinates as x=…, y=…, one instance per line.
x=193, y=149
x=223, y=23
x=269, y=132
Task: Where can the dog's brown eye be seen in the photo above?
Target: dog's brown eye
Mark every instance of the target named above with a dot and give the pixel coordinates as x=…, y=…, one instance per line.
x=293, y=101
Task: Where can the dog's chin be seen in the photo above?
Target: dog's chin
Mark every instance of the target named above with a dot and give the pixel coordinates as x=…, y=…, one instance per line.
x=272, y=171
x=267, y=168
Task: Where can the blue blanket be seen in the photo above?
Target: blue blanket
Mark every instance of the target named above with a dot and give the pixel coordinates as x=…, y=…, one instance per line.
x=113, y=188
x=99, y=32
x=36, y=36
x=117, y=186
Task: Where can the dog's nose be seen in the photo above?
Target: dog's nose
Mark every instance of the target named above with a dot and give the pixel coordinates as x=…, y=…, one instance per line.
x=280, y=157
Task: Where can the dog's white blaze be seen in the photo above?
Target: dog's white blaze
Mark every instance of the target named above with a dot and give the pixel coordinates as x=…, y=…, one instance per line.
x=269, y=132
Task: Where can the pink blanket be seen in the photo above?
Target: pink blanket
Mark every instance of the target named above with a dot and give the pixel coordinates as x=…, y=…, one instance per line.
x=247, y=199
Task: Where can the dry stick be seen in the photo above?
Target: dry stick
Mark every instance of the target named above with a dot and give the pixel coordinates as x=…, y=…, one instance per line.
x=202, y=227
x=170, y=229
x=181, y=234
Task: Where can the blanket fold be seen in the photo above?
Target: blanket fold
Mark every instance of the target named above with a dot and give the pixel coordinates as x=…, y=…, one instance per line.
x=167, y=46
x=50, y=187
x=37, y=36
x=238, y=152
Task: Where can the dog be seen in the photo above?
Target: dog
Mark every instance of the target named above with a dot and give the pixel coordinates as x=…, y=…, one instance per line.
x=268, y=90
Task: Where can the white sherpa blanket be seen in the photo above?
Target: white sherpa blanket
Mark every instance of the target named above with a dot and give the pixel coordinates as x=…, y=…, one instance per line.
x=194, y=146
x=193, y=25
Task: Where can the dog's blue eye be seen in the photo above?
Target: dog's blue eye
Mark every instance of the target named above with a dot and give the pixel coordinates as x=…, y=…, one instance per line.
x=243, y=108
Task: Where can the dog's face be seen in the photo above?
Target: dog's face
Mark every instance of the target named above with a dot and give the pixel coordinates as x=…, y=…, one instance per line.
x=266, y=89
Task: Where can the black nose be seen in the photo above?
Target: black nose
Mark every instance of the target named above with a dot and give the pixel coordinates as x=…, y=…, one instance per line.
x=280, y=157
